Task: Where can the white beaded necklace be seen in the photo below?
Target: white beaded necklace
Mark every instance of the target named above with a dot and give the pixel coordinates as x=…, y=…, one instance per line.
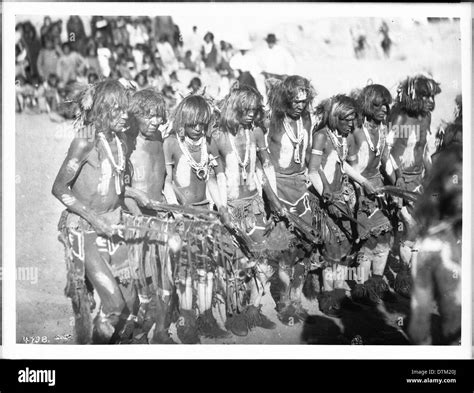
x=295, y=139
x=337, y=146
x=243, y=164
x=201, y=168
x=381, y=140
x=118, y=168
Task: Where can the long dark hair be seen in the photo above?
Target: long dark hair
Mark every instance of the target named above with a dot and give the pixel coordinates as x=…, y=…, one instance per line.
x=412, y=89
x=192, y=109
x=233, y=107
x=331, y=109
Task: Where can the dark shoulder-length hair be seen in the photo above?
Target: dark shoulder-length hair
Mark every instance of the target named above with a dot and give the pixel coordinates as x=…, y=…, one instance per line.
x=365, y=99
x=232, y=108
x=410, y=93
x=96, y=103
x=330, y=110
x=193, y=109
x=282, y=93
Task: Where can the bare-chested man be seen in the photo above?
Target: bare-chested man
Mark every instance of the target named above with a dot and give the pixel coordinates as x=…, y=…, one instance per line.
x=90, y=185
x=333, y=149
x=289, y=147
x=409, y=123
x=236, y=143
x=190, y=179
x=147, y=113
x=372, y=152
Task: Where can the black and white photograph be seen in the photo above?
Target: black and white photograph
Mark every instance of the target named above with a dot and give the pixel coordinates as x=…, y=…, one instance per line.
x=238, y=173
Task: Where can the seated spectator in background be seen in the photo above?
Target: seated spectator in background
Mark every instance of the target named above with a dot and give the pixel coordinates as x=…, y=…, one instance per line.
x=170, y=97
x=21, y=55
x=142, y=80
x=55, y=31
x=123, y=69
x=92, y=61
x=71, y=65
x=120, y=33
x=104, y=56
x=138, y=53
x=193, y=42
x=24, y=93
x=148, y=63
x=33, y=46
x=226, y=54
x=275, y=59
x=177, y=40
x=44, y=29
x=48, y=57
x=76, y=34
x=209, y=51
x=118, y=52
x=167, y=56
x=136, y=33
x=132, y=67
x=52, y=99
x=156, y=79
x=188, y=61
x=92, y=78
x=195, y=85
x=177, y=85
x=101, y=27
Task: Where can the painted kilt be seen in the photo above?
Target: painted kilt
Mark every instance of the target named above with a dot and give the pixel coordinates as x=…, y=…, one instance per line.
x=374, y=221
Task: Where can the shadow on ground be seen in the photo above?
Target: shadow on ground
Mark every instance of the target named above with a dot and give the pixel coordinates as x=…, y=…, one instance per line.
x=358, y=324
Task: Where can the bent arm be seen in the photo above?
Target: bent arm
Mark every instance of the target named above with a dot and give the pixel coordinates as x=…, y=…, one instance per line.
x=75, y=159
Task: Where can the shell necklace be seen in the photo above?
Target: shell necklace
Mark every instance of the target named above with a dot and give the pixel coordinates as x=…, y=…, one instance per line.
x=201, y=168
x=340, y=147
x=243, y=164
x=380, y=142
x=118, y=167
x=295, y=139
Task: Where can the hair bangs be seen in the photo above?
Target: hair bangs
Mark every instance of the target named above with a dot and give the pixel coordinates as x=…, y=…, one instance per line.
x=146, y=101
x=240, y=99
x=369, y=95
x=192, y=110
x=282, y=94
x=108, y=97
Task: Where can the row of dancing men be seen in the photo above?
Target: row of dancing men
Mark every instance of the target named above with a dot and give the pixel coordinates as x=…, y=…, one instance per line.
x=266, y=171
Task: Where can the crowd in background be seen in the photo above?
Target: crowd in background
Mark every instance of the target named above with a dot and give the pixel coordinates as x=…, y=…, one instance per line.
x=148, y=52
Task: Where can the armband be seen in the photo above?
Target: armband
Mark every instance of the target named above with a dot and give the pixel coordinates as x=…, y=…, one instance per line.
x=317, y=152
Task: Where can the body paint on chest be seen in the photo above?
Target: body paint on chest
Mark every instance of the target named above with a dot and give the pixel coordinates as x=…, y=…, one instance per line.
x=330, y=167
x=232, y=172
x=106, y=175
x=183, y=172
x=363, y=157
x=286, y=152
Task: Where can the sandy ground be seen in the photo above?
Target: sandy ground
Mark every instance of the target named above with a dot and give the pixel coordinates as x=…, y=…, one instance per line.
x=42, y=308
